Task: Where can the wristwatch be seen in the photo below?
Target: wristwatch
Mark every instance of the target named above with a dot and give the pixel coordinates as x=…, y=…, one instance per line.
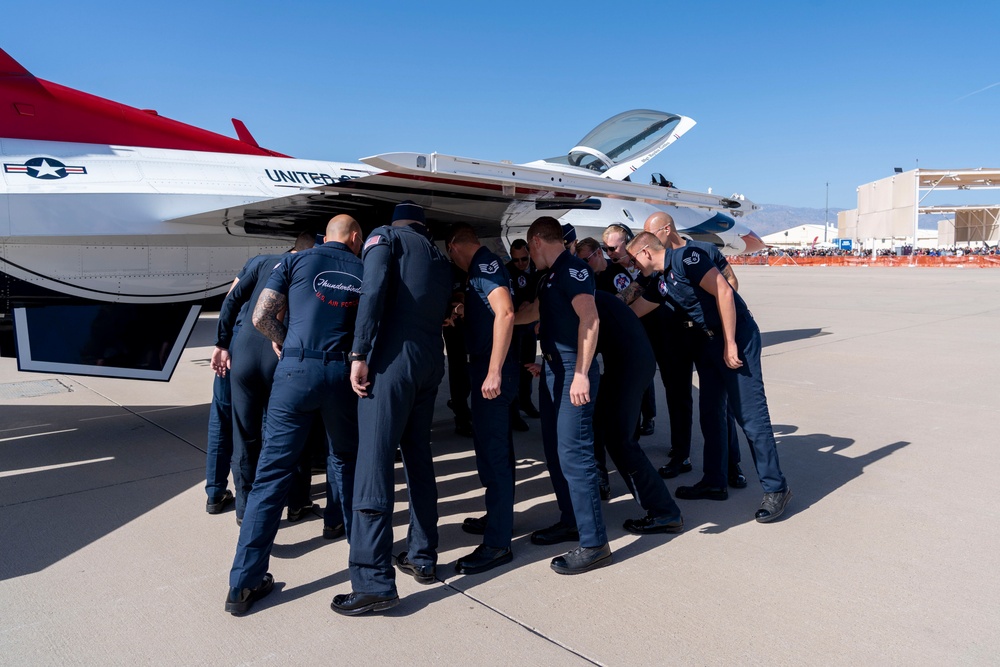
x=357, y=356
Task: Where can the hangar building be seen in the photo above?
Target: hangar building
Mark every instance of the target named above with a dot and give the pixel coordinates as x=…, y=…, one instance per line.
x=888, y=209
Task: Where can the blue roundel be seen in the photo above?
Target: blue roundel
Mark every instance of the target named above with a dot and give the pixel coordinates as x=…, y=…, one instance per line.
x=45, y=168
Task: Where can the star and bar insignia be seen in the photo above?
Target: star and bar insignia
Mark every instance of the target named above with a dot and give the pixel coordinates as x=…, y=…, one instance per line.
x=45, y=168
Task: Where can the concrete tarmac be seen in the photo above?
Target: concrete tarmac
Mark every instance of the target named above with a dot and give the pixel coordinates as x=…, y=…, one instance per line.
x=882, y=385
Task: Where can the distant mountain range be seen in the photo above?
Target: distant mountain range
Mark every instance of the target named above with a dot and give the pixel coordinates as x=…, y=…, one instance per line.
x=775, y=218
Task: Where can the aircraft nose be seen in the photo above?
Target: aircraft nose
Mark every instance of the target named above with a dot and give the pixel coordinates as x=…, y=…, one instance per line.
x=753, y=242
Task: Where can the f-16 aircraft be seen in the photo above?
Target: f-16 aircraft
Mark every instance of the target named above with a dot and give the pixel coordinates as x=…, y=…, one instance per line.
x=116, y=222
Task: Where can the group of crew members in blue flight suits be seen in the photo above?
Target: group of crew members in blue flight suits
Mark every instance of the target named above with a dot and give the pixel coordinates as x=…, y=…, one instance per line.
x=350, y=349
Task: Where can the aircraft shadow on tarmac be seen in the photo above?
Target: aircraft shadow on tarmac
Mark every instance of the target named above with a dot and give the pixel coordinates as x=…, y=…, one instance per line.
x=118, y=466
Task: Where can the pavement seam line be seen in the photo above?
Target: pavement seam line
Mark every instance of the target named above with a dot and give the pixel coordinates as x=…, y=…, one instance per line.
x=523, y=625
x=148, y=421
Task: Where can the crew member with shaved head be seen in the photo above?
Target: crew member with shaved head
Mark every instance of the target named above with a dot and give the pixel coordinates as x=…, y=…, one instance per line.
x=682, y=340
x=319, y=290
x=731, y=350
x=488, y=311
x=568, y=331
x=397, y=362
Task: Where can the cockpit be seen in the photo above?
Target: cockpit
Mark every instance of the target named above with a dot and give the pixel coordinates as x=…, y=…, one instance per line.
x=625, y=141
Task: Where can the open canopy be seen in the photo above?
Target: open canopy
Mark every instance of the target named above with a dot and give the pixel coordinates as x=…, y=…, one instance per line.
x=623, y=143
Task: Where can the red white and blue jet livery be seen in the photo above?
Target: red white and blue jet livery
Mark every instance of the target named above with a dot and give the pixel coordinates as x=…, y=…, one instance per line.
x=117, y=223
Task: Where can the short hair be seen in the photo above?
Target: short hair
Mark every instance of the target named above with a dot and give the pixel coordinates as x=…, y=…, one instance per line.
x=642, y=240
x=589, y=243
x=304, y=241
x=462, y=232
x=518, y=244
x=620, y=229
x=547, y=229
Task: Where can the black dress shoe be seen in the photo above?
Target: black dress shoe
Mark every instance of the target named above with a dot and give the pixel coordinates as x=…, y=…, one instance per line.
x=484, y=558
x=555, y=534
x=333, y=532
x=354, y=604
x=423, y=574
x=220, y=504
x=301, y=513
x=737, y=479
x=773, y=506
x=530, y=410
x=605, y=490
x=582, y=559
x=518, y=424
x=648, y=427
x=701, y=491
x=674, y=468
x=654, y=524
x=240, y=600
x=475, y=525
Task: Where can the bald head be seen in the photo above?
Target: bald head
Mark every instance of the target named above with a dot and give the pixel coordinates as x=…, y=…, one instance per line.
x=344, y=229
x=661, y=225
x=658, y=220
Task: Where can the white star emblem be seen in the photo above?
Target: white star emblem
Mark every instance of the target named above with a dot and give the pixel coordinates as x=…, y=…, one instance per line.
x=46, y=169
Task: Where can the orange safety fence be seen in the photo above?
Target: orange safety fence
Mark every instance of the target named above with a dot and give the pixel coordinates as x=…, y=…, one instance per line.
x=968, y=261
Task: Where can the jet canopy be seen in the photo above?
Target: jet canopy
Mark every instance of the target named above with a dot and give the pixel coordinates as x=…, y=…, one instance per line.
x=623, y=143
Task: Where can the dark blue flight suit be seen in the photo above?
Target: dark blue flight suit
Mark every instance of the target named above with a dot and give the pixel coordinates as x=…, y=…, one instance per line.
x=219, y=448
x=220, y=455
x=458, y=356
x=323, y=285
x=491, y=430
x=629, y=366
x=682, y=348
x=615, y=279
x=523, y=342
x=404, y=303
x=731, y=436
x=251, y=371
x=568, y=430
x=743, y=388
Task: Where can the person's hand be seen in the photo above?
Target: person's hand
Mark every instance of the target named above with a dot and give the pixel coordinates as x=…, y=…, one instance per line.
x=579, y=391
x=221, y=361
x=732, y=356
x=276, y=348
x=534, y=369
x=359, y=378
x=491, y=386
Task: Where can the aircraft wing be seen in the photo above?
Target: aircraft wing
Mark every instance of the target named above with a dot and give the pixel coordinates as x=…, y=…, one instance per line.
x=487, y=195
x=533, y=180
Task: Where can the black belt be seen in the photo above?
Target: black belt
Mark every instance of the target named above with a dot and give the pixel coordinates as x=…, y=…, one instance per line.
x=303, y=353
x=688, y=324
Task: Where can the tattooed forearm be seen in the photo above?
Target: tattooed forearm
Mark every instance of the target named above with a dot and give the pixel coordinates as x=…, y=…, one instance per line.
x=630, y=293
x=265, y=315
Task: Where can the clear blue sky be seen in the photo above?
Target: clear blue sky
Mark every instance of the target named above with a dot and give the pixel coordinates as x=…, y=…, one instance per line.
x=788, y=95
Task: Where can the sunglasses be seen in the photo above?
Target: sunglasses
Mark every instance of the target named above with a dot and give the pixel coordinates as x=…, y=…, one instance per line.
x=587, y=258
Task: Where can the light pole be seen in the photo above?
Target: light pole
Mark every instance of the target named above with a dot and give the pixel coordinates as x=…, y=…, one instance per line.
x=826, y=220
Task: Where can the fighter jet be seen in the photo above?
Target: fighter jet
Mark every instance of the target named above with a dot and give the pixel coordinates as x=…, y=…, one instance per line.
x=116, y=223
